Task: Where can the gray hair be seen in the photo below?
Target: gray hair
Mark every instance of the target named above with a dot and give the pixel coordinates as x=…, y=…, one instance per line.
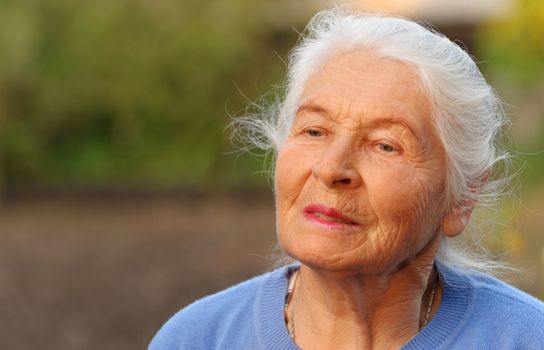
x=466, y=112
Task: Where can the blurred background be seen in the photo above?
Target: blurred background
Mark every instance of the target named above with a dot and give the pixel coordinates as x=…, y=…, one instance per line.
x=122, y=197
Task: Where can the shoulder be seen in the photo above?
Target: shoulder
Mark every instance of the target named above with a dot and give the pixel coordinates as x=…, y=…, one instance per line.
x=500, y=313
x=509, y=304
x=201, y=324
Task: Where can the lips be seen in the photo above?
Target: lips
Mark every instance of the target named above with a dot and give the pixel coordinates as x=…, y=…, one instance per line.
x=327, y=216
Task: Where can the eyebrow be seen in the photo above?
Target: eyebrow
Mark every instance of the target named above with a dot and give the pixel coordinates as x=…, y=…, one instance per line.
x=395, y=120
x=310, y=107
x=390, y=119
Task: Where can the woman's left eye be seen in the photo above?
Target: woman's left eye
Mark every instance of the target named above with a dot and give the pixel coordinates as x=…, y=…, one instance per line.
x=386, y=147
x=314, y=133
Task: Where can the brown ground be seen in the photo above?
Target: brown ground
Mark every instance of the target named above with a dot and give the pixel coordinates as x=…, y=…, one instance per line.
x=84, y=273
x=93, y=272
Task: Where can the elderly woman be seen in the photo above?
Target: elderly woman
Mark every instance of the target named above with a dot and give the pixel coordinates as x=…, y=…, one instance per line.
x=386, y=142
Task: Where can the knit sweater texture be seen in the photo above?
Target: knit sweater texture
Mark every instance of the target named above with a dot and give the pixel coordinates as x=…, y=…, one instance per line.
x=477, y=312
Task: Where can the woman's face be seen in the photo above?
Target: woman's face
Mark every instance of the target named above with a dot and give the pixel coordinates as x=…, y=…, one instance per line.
x=360, y=179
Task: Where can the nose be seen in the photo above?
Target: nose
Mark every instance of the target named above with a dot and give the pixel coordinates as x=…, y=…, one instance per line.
x=337, y=167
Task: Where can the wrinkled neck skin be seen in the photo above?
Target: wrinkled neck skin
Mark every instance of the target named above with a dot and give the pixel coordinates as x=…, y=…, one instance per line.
x=348, y=311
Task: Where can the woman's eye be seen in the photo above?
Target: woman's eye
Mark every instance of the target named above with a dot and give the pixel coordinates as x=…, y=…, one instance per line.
x=386, y=147
x=314, y=133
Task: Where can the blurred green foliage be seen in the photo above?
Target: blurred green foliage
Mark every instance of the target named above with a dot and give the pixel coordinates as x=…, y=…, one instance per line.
x=126, y=92
x=515, y=44
x=137, y=93
x=512, y=51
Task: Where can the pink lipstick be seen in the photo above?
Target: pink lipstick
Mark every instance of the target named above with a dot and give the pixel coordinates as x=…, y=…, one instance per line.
x=328, y=217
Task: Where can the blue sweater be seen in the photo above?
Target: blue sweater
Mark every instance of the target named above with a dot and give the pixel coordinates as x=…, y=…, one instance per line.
x=477, y=312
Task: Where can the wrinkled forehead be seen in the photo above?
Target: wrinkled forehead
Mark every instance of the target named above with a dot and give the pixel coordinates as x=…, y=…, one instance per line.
x=362, y=83
x=364, y=72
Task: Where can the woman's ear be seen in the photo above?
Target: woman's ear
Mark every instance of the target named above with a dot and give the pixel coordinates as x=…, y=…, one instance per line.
x=457, y=219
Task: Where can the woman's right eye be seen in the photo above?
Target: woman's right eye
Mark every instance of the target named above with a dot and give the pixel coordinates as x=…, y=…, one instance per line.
x=314, y=133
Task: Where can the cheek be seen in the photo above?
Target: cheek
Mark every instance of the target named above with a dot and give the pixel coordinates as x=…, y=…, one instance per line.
x=291, y=174
x=293, y=167
x=389, y=186
x=405, y=198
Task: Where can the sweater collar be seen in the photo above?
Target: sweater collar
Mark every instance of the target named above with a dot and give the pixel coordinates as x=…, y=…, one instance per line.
x=444, y=326
x=268, y=312
x=454, y=308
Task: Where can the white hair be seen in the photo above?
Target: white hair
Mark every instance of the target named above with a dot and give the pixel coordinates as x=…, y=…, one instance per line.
x=466, y=112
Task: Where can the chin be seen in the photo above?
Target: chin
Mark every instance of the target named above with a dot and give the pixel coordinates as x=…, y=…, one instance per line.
x=328, y=258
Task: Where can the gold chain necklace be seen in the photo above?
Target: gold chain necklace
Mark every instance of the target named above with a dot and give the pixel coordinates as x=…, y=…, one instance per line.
x=431, y=299
x=290, y=320
x=290, y=316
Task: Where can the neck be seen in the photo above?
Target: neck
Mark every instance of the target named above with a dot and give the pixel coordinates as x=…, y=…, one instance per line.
x=385, y=311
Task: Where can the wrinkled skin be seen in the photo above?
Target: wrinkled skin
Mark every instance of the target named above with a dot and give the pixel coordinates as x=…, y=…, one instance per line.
x=362, y=143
